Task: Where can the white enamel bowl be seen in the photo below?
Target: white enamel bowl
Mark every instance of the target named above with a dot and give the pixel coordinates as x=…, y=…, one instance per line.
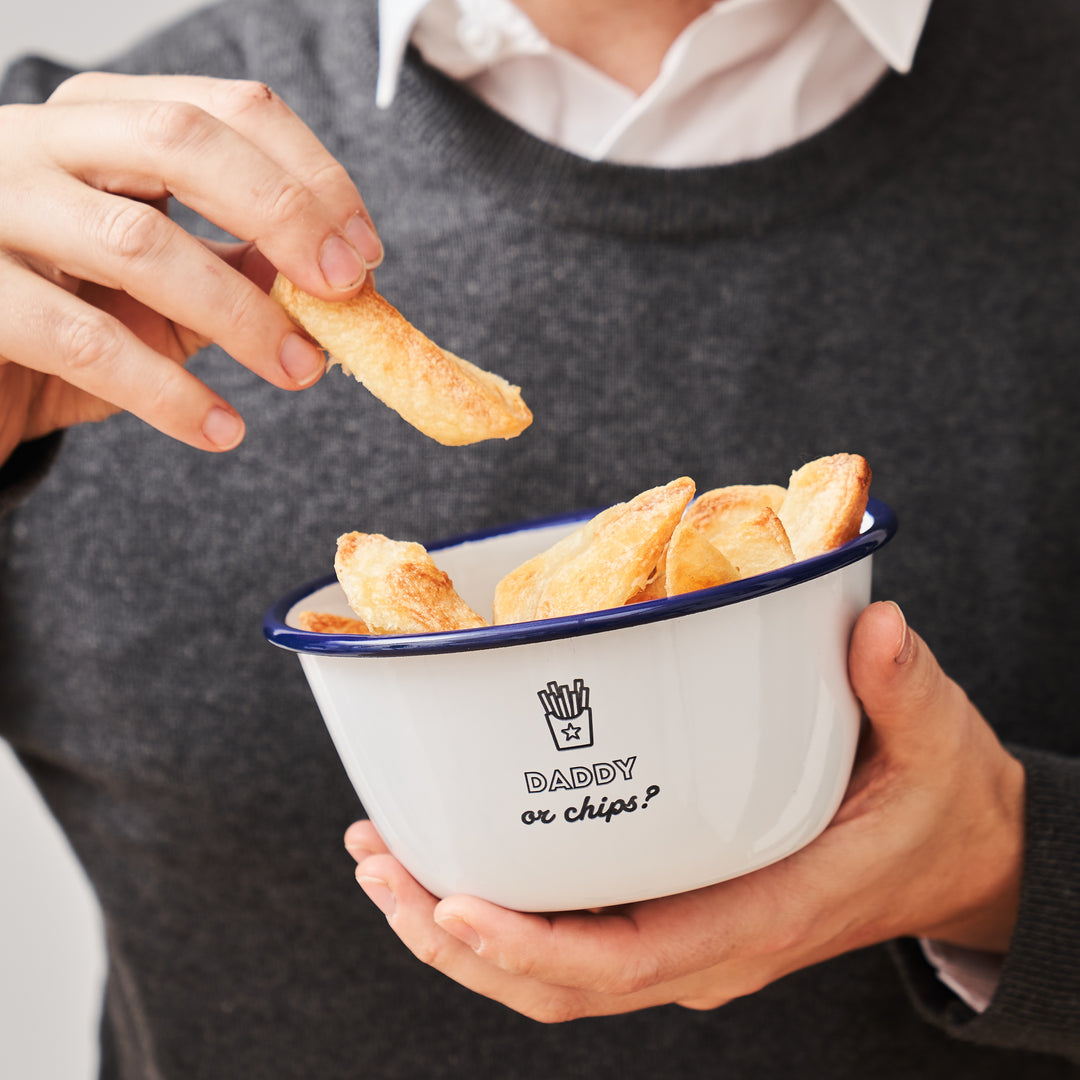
x=602, y=758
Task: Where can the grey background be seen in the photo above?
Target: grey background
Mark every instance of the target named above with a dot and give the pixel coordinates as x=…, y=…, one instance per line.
x=51, y=959
x=81, y=32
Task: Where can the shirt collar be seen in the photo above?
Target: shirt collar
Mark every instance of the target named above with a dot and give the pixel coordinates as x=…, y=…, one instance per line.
x=396, y=21
x=892, y=27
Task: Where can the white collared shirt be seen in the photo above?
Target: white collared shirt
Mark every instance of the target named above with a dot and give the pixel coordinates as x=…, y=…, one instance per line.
x=744, y=79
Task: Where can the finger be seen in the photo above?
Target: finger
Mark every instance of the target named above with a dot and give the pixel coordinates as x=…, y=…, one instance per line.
x=969, y=804
x=409, y=910
x=129, y=246
x=599, y=952
x=157, y=148
x=362, y=839
x=911, y=703
x=256, y=112
x=58, y=334
x=247, y=259
x=633, y=950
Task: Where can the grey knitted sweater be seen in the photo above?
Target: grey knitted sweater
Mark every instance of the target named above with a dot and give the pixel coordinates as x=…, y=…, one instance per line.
x=903, y=285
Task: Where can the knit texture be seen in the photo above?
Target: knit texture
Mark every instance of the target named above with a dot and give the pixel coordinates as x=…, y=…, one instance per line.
x=901, y=285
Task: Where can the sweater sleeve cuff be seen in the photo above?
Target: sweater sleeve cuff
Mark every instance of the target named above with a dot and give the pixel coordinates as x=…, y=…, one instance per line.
x=24, y=470
x=1036, y=1005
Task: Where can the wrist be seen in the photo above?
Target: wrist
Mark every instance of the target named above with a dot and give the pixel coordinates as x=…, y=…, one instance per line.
x=987, y=917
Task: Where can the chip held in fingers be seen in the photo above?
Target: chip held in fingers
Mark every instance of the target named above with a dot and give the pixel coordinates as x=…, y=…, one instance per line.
x=445, y=397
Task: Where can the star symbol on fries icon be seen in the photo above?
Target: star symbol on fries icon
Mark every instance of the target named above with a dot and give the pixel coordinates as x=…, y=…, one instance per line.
x=571, y=732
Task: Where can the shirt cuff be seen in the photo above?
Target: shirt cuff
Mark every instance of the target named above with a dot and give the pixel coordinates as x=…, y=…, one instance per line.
x=971, y=975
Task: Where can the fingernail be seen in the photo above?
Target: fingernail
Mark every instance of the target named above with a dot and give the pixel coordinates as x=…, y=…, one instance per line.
x=358, y=851
x=223, y=428
x=363, y=238
x=903, y=652
x=356, y=840
x=301, y=361
x=378, y=892
x=341, y=264
x=457, y=927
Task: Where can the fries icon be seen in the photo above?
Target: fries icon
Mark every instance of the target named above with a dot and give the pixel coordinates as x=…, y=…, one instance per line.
x=568, y=714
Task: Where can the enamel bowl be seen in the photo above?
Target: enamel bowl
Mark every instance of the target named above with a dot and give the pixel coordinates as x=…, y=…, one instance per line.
x=602, y=758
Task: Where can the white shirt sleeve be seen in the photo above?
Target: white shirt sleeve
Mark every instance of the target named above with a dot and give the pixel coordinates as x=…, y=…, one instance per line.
x=971, y=975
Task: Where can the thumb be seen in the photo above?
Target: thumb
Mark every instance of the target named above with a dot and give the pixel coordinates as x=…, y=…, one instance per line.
x=906, y=696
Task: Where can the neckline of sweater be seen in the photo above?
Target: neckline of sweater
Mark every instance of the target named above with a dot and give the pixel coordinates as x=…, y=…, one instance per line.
x=459, y=135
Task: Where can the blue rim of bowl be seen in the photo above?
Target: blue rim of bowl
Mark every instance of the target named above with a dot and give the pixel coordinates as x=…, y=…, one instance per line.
x=880, y=530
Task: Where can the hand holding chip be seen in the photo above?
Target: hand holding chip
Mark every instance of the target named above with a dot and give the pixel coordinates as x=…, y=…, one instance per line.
x=110, y=296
